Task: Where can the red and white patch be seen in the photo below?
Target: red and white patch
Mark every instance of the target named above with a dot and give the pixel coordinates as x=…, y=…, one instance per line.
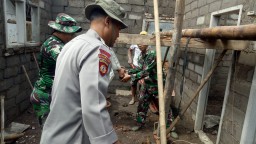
x=104, y=61
x=103, y=68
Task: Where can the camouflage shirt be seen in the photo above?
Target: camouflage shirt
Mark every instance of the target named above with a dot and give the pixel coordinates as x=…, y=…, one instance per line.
x=47, y=61
x=147, y=69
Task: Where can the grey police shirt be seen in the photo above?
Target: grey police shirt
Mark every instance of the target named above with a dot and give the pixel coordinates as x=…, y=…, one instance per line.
x=77, y=111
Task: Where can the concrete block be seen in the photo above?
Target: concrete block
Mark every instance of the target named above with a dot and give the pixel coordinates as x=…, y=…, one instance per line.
x=188, y=15
x=150, y=3
x=57, y=9
x=138, y=9
x=210, y=1
x=200, y=20
x=191, y=66
x=193, y=76
x=76, y=3
x=1, y=75
x=5, y=84
x=12, y=92
x=136, y=2
x=204, y=10
x=12, y=61
x=201, y=3
x=9, y=103
x=187, y=8
x=187, y=73
x=250, y=75
x=181, y=62
x=60, y=2
x=134, y=16
x=126, y=7
x=215, y=6
x=188, y=1
x=198, y=69
x=242, y=87
x=12, y=113
x=122, y=1
x=228, y=3
x=73, y=10
x=199, y=79
x=22, y=96
x=2, y=63
x=24, y=105
x=195, y=13
x=193, y=5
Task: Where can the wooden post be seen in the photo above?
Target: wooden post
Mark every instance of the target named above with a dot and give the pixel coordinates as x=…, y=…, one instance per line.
x=36, y=61
x=26, y=74
x=178, y=22
x=198, y=90
x=2, y=119
x=159, y=77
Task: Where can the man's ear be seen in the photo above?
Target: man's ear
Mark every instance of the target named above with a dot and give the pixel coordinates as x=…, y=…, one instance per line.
x=107, y=21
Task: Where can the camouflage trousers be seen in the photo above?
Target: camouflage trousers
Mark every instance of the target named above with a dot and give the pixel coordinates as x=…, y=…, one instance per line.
x=41, y=104
x=147, y=97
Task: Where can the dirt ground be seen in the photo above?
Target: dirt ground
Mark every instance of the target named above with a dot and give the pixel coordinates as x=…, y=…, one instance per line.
x=123, y=116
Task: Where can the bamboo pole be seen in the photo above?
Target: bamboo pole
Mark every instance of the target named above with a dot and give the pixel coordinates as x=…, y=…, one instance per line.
x=2, y=119
x=159, y=77
x=34, y=56
x=26, y=74
x=169, y=85
x=198, y=90
x=243, y=32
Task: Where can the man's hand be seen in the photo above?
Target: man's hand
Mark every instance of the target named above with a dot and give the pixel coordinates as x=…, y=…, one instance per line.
x=121, y=72
x=126, y=78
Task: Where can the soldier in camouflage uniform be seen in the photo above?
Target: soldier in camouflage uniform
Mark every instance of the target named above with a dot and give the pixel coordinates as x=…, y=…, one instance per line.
x=147, y=71
x=64, y=29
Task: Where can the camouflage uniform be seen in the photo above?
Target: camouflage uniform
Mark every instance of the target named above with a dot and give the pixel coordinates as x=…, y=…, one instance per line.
x=149, y=91
x=41, y=94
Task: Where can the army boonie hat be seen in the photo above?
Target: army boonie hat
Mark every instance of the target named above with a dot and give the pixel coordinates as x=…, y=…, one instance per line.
x=113, y=9
x=64, y=23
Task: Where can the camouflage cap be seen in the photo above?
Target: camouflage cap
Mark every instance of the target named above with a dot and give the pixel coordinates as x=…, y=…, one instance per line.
x=64, y=23
x=112, y=8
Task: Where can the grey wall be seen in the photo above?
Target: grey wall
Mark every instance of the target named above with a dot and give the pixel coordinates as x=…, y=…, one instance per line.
x=13, y=84
x=197, y=15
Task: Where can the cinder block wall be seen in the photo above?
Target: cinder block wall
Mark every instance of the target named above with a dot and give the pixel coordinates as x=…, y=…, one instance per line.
x=197, y=15
x=135, y=14
x=13, y=83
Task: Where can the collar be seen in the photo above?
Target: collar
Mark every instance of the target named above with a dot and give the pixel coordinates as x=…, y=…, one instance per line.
x=93, y=33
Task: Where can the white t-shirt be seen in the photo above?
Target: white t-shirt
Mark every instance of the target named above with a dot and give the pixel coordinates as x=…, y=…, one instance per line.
x=136, y=54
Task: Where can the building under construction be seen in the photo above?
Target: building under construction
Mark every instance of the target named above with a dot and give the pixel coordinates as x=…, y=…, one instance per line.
x=210, y=32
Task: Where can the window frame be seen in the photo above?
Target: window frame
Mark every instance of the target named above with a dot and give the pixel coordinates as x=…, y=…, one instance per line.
x=20, y=22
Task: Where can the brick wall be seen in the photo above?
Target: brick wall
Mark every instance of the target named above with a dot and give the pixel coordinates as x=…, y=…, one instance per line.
x=13, y=83
x=197, y=15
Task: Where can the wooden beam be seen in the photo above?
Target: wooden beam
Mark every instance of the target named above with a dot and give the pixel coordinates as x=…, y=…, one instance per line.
x=243, y=32
x=194, y=42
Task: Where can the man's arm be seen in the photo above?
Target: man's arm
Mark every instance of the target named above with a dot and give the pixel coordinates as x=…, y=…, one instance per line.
x=148, y=66
x=129, y=54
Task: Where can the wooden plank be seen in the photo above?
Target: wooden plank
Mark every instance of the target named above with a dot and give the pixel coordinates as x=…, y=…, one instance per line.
x=194, y=42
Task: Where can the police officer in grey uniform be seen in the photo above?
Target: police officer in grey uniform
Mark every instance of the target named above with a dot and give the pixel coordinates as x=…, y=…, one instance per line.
x=78, y=114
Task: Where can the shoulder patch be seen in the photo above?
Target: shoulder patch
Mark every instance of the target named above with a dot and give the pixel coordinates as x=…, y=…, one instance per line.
x=104, y=61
